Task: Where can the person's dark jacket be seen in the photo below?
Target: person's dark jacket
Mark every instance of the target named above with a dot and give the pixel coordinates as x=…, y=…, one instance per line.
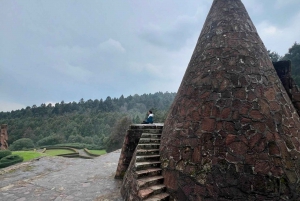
x=150, y=119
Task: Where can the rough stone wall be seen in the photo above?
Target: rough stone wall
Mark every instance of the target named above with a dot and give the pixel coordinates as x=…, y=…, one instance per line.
x=232, y=132
x=130, y=142
x=3, y=137
x=283, y=69
x=129, y=190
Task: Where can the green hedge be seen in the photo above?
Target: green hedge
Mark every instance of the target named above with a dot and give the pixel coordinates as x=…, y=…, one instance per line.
x=50, y=140
x=4, y=153
x=10, y=160
x=89, y=153
x=71, y=155
x=56, y=147
x=76, y=146
x=21, y=144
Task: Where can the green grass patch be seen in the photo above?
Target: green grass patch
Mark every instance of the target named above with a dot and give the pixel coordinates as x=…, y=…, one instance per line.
x=28, y=155
x=98, y=152
x=55, y=152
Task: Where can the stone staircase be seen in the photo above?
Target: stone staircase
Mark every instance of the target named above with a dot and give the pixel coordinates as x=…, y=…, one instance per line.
x=143, y=178
x=149, y=179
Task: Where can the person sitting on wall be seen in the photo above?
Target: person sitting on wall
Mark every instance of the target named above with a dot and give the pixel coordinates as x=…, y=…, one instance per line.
x=149, y=120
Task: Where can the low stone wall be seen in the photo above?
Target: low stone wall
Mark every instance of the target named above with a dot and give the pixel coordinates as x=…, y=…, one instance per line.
x=129, y=189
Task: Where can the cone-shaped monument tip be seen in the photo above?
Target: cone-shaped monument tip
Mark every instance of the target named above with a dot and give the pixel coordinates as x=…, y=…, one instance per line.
x=232, y=131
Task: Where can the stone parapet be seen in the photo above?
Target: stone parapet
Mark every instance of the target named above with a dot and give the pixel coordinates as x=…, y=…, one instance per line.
x=147, y=126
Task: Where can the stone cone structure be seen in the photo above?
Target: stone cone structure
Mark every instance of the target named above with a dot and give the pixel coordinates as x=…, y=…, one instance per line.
x=232, y=132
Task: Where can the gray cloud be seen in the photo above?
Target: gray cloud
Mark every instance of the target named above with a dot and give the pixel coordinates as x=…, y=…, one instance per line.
x=174, y=36
x=281, y=3
x=67, y=50
x=111, y=46
x=280, y=38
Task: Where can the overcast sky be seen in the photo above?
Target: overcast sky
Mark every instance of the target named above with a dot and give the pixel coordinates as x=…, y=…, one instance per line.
x=54, y=50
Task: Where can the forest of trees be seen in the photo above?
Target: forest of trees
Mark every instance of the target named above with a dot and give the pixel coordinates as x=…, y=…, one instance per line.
x=90, y=122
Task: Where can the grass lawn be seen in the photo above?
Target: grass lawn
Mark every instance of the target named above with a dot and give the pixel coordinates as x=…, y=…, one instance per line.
x=28, y=155
x=55, y=152
x=98, y=152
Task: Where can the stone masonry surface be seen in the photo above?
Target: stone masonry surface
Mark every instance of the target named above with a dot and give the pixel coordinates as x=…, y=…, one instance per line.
x=232, y=132
x=3, y=137
x=62, y=179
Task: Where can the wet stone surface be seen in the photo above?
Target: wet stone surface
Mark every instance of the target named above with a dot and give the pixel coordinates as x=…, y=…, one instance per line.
x=62, y=179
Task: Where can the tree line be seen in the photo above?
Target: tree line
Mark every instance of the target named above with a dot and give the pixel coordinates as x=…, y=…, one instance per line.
x=89, y=122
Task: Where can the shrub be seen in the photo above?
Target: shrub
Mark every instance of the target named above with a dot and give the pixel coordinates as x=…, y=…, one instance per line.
x=21, y=144
x=50, y=140
x=10, y=160
x=75, y=139
x=4, y=153
x=88, y=140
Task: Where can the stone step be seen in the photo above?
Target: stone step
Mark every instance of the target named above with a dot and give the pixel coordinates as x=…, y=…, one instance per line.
x=146, y=126
x=144, y=165
x=151, y=191
x=149, y=140
x=148, y=172
x=149, y=181
x=147, y=151
x=150, y=135
x=158, y=197
x=147, y=158
x=153, y=131
x=148, y=146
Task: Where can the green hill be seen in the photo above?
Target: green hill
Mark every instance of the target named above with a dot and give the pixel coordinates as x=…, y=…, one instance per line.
x=89, y=122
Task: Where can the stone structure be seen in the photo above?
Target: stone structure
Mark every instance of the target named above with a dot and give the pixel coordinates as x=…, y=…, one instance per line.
x=232, y=132
x=283, y=69
x=131, y=141
x=3, y=137
x=139, y=164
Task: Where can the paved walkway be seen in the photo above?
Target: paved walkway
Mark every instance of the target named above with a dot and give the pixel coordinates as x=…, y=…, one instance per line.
x=62, y=179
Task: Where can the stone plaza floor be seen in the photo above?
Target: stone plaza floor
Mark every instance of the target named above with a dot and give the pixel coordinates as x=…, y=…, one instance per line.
x=62, y=179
